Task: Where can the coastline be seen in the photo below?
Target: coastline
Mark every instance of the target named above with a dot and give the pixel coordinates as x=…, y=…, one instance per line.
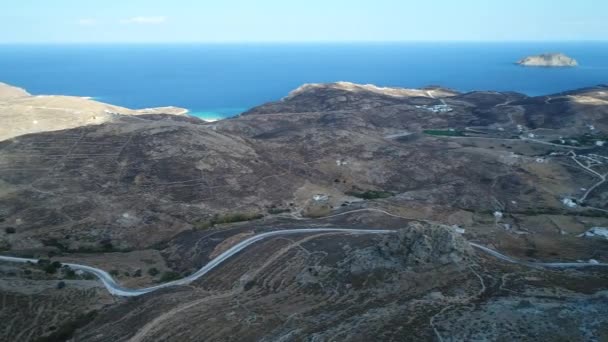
x=464, y=66
x=216, y=114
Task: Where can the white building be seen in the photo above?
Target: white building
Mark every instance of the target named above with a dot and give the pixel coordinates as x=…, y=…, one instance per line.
x=320, y=198
x=599, y=232
x=569, y=203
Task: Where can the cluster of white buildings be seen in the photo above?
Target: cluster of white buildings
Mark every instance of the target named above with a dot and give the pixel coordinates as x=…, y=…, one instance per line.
x=441, y=108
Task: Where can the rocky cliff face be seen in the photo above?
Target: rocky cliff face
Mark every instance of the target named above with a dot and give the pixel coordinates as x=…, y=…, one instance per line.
x=549, y=60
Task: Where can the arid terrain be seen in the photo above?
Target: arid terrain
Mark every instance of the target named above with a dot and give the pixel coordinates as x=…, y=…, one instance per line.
x=151, y=196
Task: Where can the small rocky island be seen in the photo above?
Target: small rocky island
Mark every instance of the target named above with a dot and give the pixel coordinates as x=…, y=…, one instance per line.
x=549, y=60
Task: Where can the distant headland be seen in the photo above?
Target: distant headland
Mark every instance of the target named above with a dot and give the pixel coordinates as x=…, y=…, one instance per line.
x=549, y=60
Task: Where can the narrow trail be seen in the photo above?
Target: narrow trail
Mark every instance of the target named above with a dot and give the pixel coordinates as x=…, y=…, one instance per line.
x=588, y=169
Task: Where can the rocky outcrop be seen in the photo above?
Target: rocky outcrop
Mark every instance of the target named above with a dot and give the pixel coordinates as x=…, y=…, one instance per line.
x=549, y=60
x=417, y=246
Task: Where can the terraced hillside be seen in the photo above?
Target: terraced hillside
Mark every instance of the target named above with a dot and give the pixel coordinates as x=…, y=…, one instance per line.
x=152, y=198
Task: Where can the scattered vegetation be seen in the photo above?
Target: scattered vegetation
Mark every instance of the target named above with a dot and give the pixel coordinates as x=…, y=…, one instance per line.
x=52, y=242
x=586, y=139
x=153, y=271
x=371, y=194
x=169, y=276
x=66, y=331
x=104, y=246
x=68, y=273
x=10, y=230
x=276, y=211
x=5, y=245
x=317, y=211
x=445, y=132
x=48, y=266
x=228, y=218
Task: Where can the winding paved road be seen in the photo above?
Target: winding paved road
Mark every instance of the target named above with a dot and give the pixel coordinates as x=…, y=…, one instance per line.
x=116, y=289
x=535, y=264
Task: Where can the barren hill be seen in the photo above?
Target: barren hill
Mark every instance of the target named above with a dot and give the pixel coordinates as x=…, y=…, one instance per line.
x=523, y=175
x=8, y=92
x=22, y=113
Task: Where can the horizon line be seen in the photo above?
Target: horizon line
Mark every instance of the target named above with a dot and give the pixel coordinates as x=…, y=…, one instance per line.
x=245, y=42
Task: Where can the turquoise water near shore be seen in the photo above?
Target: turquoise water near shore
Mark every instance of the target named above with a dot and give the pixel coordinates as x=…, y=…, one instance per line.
x=222, y=80
x=214, y=114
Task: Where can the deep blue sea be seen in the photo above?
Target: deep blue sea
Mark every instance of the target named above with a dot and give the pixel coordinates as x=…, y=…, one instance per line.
x=221, y=80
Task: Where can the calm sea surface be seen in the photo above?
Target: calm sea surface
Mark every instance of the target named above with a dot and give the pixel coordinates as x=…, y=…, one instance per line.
x=225, y=79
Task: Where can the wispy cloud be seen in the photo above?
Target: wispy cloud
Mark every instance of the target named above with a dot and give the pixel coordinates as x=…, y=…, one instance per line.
x=87, y=22
x=145, y=20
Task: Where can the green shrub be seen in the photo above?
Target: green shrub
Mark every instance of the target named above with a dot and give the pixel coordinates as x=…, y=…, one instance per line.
x=10, y=230
x=371, y=194
x=52, y=242
x=228, y=218
x=66, y=331
x=276, y=211
x=50, y=269
x=88, y=276
x=48, y=266
x=68, y=273
x=447, y=133
x=106, y=245
x=153, y=271
x=169, y=276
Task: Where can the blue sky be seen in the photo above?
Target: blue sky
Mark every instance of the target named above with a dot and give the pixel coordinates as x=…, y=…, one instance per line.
x=46, y=21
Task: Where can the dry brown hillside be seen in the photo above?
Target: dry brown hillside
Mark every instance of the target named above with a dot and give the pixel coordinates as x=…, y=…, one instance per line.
x=22, y=113
x=154, y=197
